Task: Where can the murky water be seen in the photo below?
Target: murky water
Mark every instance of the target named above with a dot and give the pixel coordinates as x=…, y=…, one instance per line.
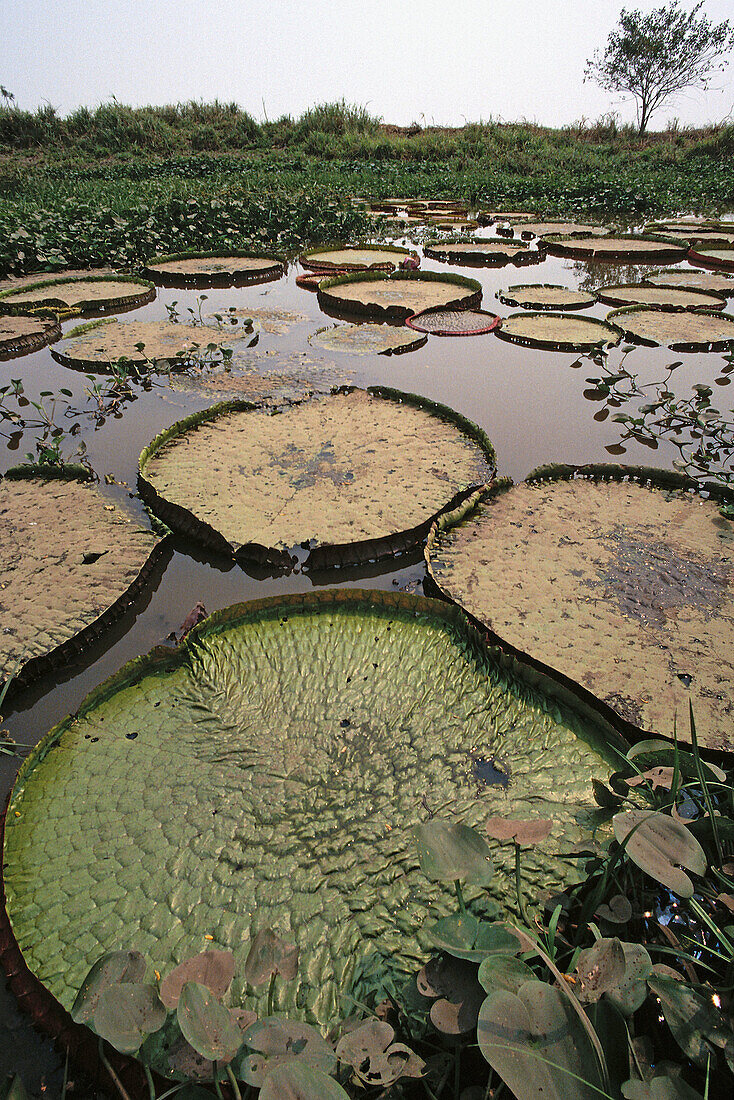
x=531, y=404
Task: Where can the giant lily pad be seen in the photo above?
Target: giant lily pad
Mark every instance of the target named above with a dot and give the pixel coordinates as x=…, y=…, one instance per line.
x=22, y=335
x=601, y=579
x=454, y=322
x=485, y=251
x=269, y=773
x=687, y=329
x=59, y=592
x=541, y=296
x=355, y=257
x=212, y=268
x=398, y=295
x=710, y=281
x=366, y=339
x=722, y=255
x=491, y=217
x=635, y=249
x=557, y=331
x=691, y=234
x=569, y=229
x=100, y=345
x=670, y=297
x=92, y=294
x=359, y=473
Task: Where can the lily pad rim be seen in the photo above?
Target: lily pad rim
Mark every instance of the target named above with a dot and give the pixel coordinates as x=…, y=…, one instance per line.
x=567, y=244
x=472, y=287
x=13, y=347
x=490, y=327
x=647, y=279
x=304, y=257
x=605, y=297
x=7, y=306
x=236, y=253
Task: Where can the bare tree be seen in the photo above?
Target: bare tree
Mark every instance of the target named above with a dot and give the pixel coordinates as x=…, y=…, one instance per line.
x=655, y=55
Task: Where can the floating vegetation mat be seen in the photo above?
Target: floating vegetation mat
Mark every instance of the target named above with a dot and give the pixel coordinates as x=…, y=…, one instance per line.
x=22, y=335
x=688, y=330
x=570, y=229
x=721, y=256
x=485, y=251
x=70, y=562
x=366, y=339
x=636, y=249
x=558, y=331
x=353, y=476
x=625, y=587
x=710, y=281
x=546, y=296
x=355, y=257
x=399, y=295
x=210, y=268
x=87, y=295
x=270, y=773
x=670, y=297
x=454, y=322
x=99, y=345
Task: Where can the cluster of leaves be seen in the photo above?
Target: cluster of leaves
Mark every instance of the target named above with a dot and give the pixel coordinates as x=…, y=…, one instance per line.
x=89, y=235
x=702, y=434
x=579, y=1004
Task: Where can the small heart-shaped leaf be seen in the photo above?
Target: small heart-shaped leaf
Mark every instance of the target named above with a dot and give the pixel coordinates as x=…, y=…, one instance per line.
x=127, y=1013
x=111, y=969
x=269, y=954
x=206, y=1024
x=296, y=1081
x=277, y=1041
x=465, y=937
x=599, y=969
x=449, y=851
x=661, y=847
x=212, y=968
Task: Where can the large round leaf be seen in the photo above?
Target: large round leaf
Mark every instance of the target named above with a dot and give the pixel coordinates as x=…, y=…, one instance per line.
x=226, y=791
x=599, y=576
x=92, y=294
x=358, y=475
x=398, y=295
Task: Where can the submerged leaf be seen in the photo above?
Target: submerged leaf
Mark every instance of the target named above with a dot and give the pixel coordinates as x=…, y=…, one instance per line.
x=269, y=954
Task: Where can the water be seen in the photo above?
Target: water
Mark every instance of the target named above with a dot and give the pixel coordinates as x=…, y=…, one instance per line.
x=532, y=404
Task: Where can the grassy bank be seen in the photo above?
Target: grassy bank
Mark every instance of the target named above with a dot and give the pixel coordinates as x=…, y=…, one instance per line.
x=118, y=184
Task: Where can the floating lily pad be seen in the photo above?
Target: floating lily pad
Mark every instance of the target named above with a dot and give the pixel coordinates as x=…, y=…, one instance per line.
x=568, y=229
x=225, y=791
x=72, y=296
x=310, y=280
x=632, y=247
x=454, y=322
x=449, y=224
x=212, y=268
x=540, y=296
x=671, y=297
x=358, y=475
x=490, y=217
x=484, y=251
x=721, y=256
x=688, y=330
x=366, y=339
x=600, y=578
x=710, y=281
x=557, y=331
x=100, y=345
x=70, y=563
x=357, y=257
x=693, y=234
x=22, y=335
x=399, y=295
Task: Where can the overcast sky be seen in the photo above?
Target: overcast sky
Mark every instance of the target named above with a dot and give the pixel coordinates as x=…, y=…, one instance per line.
x=424, y=60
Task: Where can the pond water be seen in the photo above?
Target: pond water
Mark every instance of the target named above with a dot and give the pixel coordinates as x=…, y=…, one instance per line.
x=536, y=406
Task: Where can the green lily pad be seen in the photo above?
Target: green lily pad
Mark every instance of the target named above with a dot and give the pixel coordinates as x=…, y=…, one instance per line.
x=567, y=229
x=206, y=1024
x=278, y=1042
x=59, y=593
x=557, y=331
x=661, y=847
x=504, y=972
x=214, y=268
x=92, y=294
x=466, y=937
x=541, y=296
x=686, y=329
x=126, y=1013
x=112, y=968
x=657, y=297
x=355, y=257
x=229, y=792
x=357, y=474
x=366, y=339
x=711, y=281
x=626, y=246
x=448, y=851
x=598, y=571
x=399, y=295
x=719, y=256
x=22, y=335
x=484, y=250
x=102, y=344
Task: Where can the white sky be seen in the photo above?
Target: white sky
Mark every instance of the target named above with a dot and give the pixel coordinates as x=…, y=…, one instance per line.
x=406, y=60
